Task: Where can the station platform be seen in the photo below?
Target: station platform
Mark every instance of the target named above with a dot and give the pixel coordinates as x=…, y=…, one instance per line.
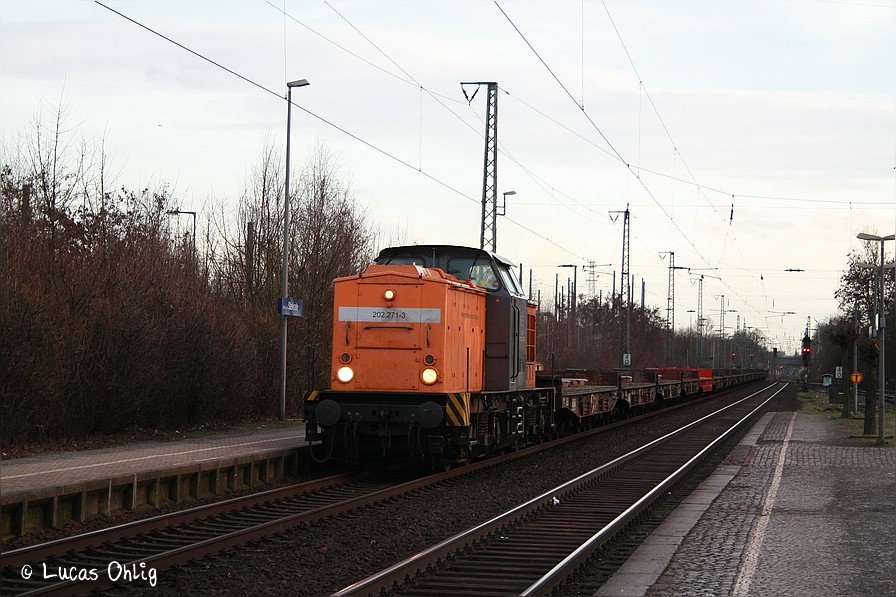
x=798, y=508
x=49, y=490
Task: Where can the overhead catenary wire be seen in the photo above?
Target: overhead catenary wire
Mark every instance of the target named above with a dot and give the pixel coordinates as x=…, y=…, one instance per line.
x=603, y=136
x=643, y=88
x=545, y=185
x=615, y=153
x=337, y=127
x=438, y=97
x=674, y=178
x=584, y=204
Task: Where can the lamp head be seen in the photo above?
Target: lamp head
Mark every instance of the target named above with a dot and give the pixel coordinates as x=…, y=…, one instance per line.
x=299, y=83
x=866, y=236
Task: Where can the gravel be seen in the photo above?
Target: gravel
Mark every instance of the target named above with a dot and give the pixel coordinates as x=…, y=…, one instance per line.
x=333, y=553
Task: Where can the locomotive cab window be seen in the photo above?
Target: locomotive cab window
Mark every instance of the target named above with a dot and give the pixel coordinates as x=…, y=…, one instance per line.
x=484, y=277
x=508, y=276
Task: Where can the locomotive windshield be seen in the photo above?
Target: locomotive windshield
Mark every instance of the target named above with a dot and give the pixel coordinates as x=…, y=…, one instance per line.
x=461, y=262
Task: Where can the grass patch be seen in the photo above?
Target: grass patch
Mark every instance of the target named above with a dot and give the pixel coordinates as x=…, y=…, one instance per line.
x=816, y=402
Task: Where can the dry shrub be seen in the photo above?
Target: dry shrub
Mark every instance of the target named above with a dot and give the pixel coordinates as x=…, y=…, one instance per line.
x=108, y=322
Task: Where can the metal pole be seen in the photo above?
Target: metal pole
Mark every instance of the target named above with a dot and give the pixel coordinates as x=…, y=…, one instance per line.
x=855, y=367
x=190, y=213
x=284, y=270
x=284, y=291
x=556, y=298
x=575, y=305
x=882, y=333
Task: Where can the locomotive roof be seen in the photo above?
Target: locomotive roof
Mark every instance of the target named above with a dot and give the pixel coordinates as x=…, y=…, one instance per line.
x=441, y=250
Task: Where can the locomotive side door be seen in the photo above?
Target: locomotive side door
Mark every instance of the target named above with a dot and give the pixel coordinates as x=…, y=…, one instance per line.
x=518, y=328
x=506, y=323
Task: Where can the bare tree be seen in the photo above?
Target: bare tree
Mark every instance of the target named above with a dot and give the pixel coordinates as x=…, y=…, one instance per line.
x=331, y=239
x=105, y=322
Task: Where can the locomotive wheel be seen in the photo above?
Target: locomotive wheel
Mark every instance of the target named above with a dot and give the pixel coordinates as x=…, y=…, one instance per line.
x=496, y=431
x=620, y=410
x=543, y=428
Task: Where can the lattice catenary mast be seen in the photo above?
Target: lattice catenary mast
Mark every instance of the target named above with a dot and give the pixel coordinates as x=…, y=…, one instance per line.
x=489, y=228
x=625, y=289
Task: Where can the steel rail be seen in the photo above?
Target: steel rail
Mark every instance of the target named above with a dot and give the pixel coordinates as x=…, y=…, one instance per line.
x=386, y=579
x=41, y=551
x=570, y=563
x=215, y=544
x=226, y=540
x=212, y=545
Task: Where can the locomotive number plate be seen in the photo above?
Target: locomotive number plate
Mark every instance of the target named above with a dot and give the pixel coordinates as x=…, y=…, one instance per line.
x=379, y=314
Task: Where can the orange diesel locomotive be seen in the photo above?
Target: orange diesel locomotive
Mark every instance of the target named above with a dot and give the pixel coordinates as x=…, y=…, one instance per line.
x=433, y=353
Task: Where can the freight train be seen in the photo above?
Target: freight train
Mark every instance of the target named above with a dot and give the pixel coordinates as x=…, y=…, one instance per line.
x=434, y=356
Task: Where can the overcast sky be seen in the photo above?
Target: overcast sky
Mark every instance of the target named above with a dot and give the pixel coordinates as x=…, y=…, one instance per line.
x=789, y=106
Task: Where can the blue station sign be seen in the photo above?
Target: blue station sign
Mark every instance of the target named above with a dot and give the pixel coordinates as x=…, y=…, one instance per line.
x=291, y=307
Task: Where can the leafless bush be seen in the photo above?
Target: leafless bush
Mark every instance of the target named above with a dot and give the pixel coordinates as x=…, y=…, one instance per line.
x=107, y=322
x=328, y=238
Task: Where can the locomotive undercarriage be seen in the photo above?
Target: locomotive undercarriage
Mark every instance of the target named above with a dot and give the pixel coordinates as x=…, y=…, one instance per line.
x=448, y=429
x=425, y=427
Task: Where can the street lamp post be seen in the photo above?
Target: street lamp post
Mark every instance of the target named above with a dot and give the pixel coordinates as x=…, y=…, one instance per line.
x=284, y=291
x=500, y=212
x=573, y=301
x=727, y=354
x=174, y=212
x=881, y=332
x=690, y=334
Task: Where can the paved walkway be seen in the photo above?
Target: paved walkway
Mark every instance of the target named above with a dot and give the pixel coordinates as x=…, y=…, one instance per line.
x=67, y=468
x=800, y=510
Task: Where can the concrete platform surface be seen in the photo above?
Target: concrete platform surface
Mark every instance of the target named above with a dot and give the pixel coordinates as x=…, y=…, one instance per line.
x=807, y=511
x=44, y=471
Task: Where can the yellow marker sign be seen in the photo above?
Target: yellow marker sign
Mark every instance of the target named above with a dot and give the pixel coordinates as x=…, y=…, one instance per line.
x=855, y=377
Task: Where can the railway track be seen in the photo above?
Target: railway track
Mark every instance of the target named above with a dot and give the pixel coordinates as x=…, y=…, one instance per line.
x=172, y=539
x=155, y=543
x=535, y=547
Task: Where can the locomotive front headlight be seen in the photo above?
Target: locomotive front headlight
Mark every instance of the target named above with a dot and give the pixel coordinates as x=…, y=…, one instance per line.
x=429, y=376
x=345, y=374
x=389, y=294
